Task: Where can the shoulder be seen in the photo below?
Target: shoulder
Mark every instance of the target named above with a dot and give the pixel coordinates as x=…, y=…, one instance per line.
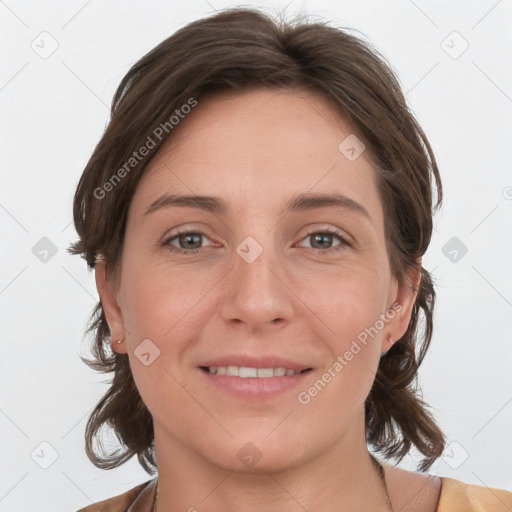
x=121, y=502
x=412, y=491
x=457, y=495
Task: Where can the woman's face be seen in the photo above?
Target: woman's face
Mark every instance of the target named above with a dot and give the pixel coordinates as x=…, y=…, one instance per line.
x=260, y=277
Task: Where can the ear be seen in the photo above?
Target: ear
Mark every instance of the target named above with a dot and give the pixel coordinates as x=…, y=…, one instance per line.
x=402, y=302
x=106, y=290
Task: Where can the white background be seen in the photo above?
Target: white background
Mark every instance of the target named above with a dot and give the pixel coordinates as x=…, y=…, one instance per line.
x=53, y=112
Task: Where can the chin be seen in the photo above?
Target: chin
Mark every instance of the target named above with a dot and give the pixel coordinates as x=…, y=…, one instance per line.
x=258, y=453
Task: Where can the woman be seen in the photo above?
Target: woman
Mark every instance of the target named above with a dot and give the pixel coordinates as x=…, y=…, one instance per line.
x=256, y=213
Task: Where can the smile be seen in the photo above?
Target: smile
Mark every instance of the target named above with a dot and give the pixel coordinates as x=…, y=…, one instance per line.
x=256, y=373
x=254, y=384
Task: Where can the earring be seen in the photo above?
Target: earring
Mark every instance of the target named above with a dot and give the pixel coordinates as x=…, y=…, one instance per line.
x=382, y=354
x=121, y=340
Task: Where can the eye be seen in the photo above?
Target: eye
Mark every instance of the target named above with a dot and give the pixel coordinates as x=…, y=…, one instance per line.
x=189, y=242
x=321, y=240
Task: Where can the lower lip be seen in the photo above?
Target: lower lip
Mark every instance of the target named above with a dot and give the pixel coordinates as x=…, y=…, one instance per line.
x=255, y=388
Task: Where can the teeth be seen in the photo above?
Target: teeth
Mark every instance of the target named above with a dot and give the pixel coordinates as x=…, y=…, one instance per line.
x=266, y=372
x=232, y=370
x=245, y=372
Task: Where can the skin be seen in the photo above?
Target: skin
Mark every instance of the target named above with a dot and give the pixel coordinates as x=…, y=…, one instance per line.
x=256, y=150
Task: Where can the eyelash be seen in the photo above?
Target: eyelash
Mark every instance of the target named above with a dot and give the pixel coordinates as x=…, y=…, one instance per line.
x=338, y=234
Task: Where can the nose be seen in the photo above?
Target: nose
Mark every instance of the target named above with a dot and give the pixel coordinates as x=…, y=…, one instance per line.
x=257, y=295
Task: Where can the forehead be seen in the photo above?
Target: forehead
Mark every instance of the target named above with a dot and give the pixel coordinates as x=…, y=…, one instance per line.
x=266, y=144
x=253, y=124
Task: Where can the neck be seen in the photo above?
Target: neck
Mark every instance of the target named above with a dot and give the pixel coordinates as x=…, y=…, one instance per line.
x=342, y=477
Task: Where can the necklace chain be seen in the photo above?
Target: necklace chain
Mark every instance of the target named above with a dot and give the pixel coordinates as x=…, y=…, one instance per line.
x=155, y=497
x=383, y=480
x=380, y=470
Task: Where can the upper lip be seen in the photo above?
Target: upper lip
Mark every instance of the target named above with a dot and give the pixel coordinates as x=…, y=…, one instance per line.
x=256, y=362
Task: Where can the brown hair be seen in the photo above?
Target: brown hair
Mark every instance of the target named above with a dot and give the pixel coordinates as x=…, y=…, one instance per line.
x=237, y=49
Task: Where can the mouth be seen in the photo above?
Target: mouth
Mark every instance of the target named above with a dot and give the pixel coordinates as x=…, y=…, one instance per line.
x=246, y=372
x=251, y=383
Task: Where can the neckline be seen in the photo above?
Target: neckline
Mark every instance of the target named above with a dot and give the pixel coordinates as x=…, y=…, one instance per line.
x=441, y=491
x=143, y=500
x=146, y=497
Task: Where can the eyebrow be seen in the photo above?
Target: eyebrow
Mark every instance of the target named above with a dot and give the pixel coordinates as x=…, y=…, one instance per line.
x=302, y=202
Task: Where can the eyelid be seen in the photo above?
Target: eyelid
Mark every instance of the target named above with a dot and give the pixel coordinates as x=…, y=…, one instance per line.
x=179, y=230
x=185, y=229
x=166, y=242
x=344, y=238
x=321, y=228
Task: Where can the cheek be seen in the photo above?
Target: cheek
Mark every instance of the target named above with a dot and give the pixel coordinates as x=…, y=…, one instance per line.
x=157, y=300
x=349, y=300
x=158, y=305
x=167, y=306
x=350, y=306
x=350, y=311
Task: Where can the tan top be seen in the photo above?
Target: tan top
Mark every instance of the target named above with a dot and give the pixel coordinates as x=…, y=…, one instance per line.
x=456, y=496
